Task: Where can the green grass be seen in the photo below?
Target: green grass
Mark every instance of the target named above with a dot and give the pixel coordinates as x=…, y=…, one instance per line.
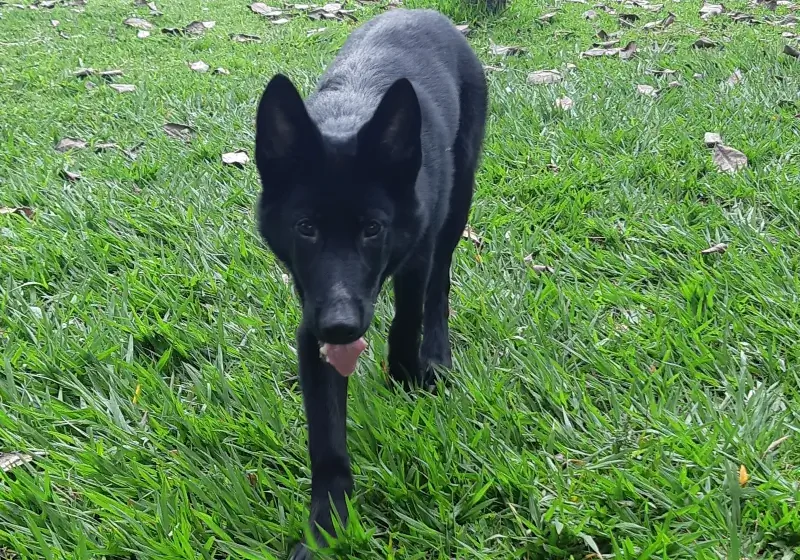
x=603, y=408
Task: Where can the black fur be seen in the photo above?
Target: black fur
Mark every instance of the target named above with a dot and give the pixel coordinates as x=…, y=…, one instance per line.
x=371, y=177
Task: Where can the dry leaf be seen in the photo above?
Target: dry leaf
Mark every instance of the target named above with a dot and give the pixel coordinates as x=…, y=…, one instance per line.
x=674, y=84
x=110, y=73
x=564, y=103
x=628, y=51
x=66, y=144
x=644, y=89
x=279, y=21
x=242, y=38
x=464, y=29
x=501, y=50
x=775, y=444
x=179, y=131
x=83, y=72
x=540, y=268
x=704, y=43
x=138, y=23
x=122, y=88
x=153, y=9
x=791, y=51
x=26, y=211
x=54, y=22
x=735, y=78
x=663, y=72
x=198, y=27
x=669, y=20
x=743, y=476
x=718, y=248
x=103, y=146
x=470, y=234
x=728, y=160
x=238, y=158
x=600, y=52
x=590, y=14
x=545, y=77
x=547, y=18
x=69, y=175
x=222, y=71
x=264, y=10
x=697, y=76
x=708, y=10
x=711, y=139
x=143, y=34
x=606, y=44
x=199, y=66
x=15, y=459
x=628, y=19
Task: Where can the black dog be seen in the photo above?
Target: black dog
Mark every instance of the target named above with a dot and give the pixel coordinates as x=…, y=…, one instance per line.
x=371, y=177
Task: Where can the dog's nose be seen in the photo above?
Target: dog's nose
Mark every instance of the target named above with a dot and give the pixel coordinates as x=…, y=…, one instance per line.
x=339, y=325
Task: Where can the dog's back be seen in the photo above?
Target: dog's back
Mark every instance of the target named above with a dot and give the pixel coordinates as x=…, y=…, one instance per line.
x=425, y=47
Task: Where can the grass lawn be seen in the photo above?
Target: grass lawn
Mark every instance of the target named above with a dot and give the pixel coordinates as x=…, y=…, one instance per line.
x=616, y=392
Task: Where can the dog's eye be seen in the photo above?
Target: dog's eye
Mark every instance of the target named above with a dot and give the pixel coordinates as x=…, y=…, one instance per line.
x=372, y=229
x=305, y=228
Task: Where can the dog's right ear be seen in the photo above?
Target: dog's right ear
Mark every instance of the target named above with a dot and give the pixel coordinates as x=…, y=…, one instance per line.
x=286, y=137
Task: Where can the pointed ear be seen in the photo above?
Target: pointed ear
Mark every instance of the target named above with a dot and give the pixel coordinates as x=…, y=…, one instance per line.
x=286, y=137
x=391, y=139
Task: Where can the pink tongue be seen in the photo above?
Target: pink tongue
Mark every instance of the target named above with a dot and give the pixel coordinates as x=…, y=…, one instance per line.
x=343, y=357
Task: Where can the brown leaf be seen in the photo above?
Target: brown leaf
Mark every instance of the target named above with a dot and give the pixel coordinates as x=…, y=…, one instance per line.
x=198, y=66
x=600, y=52
x=153, y=9
x=470, y=235
x=463, y=29
x=735, y=78
x=138, y=23
x=222, y=71
x=67, y=144
x=264, y=10
x=718, y=248
x=545, y=77
x=663, y=72
x=238, y=158
x=15, y=459
x=122, y=88
x=728, y=160
x=628, y=19
x=110, y=73
x=704, y=43
x=709, y=10
x=649, y=91
x=564, y=103
x=791, y=51
x=198, y=27
x=606, y=44
x=69, y=175
x=540, y=268
x=104, y=146
x=242, y=38
x=83, y=72
x=179, y=131
x=711, y=139
x=775, y=444
x=501, y=50
x=669, y=20
x=628, y=51
x=26, y=211
x=743, y=476
x=547, y=18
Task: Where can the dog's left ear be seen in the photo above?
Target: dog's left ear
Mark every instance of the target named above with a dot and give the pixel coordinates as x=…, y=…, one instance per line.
x=391, y=139
x=286, y=137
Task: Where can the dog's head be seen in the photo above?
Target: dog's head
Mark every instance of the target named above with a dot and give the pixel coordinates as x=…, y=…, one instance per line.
x=338, y=209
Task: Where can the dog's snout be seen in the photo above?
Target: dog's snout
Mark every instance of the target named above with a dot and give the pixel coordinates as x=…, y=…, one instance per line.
x=340, y=324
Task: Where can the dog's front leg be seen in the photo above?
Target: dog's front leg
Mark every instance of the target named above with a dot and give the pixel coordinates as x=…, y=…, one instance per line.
x=325, y=401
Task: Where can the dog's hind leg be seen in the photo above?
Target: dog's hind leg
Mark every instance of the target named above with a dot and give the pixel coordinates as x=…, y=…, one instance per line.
x=406, y=328
x=466, y=154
